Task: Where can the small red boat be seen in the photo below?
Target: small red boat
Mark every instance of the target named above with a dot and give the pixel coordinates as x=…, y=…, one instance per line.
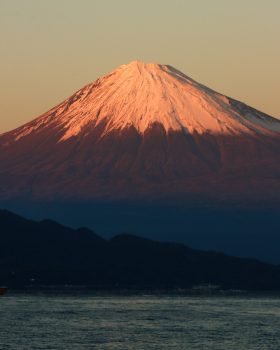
x=3, y=290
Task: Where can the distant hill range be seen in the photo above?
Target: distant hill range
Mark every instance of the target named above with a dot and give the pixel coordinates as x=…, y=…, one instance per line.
x=48, y=254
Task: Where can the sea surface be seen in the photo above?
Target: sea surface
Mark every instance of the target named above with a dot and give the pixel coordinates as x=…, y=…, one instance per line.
x=82, y=321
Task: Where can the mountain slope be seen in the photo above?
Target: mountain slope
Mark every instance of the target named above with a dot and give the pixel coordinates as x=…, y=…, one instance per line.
x=46, y=253
x=145, y=130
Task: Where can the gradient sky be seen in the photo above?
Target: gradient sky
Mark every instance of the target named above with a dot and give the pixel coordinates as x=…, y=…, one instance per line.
x=49, y=49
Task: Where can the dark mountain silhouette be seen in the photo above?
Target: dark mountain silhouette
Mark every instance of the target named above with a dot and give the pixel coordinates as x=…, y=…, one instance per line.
x=46, y=253
x=252, y=232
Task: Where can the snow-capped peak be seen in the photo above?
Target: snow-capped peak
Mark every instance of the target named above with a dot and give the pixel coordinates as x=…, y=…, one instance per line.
x=139, y=95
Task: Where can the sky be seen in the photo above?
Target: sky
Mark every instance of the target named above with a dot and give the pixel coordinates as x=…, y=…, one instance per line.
x=50, y=49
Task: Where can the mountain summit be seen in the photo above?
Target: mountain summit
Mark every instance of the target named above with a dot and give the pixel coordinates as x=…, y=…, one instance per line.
x=143, y=130
x=140, y=95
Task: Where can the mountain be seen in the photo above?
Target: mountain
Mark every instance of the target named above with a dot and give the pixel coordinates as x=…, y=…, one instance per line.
x=146, y=149
x=45, y=253
x=144, y=130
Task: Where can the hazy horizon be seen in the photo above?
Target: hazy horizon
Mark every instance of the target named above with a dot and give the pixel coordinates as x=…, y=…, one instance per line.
x=52, y=49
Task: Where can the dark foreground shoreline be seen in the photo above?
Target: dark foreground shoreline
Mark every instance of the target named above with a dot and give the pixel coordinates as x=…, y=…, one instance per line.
x=107, y=292
x=46, y=254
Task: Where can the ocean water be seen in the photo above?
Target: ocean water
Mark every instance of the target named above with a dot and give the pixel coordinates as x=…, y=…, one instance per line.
x=64, y=321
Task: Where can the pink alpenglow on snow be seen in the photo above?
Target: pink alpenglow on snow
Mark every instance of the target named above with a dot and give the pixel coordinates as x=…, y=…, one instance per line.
x=139, y=95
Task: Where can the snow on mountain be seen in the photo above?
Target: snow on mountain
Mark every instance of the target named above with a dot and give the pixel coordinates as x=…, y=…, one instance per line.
x=140, y=95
